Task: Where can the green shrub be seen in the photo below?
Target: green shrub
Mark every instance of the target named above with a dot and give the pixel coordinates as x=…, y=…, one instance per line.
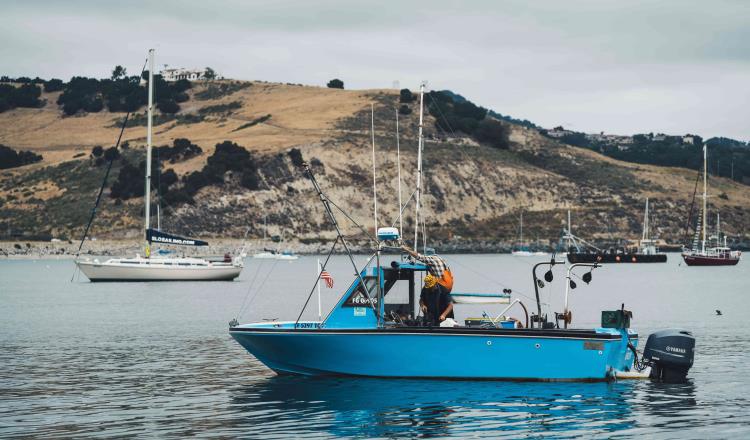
x=9, y=158
x=405, y=96
x=335, y=84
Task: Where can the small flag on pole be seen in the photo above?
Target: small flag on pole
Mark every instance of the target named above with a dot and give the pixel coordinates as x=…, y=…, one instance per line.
x=325, y=276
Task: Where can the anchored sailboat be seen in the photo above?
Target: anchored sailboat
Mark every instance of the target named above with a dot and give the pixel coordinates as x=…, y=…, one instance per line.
x=155, y=268
x=702, y=253
x=523, y=250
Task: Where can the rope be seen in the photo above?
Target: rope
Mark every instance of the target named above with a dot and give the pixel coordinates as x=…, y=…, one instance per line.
x=692, y=205
x=260, y=288
x=317, y=280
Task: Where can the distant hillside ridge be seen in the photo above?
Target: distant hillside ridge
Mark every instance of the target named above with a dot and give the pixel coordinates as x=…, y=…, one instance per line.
x=230, y=155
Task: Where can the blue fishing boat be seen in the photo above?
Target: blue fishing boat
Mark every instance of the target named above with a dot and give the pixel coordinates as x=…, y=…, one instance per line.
x=364, y=336
x=368, y=334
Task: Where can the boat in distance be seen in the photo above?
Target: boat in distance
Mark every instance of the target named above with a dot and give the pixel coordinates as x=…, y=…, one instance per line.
x=645, y=252
x=705, y=250
x=159, y=269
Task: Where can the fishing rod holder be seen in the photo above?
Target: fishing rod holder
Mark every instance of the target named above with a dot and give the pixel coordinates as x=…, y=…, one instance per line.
x=538, y=283
x=567, y=315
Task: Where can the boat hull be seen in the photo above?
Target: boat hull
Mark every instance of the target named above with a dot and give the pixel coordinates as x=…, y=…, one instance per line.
x=580, y=257
x=98, y=272
x=451, y=353
x=698, y=260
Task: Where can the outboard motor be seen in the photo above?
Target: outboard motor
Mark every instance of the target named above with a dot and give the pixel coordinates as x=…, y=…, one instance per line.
x=670, y=355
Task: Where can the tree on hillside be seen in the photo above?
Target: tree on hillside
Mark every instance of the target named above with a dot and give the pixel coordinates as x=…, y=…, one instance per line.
x=118, y=72
x=406, y=96
x=10, y=158
x=53, y=85
x=493, y=132
x=168, y=106
x=210, y=73
x=335, y=84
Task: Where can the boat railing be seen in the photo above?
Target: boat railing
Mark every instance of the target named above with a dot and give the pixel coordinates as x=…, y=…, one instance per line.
x=501, y=316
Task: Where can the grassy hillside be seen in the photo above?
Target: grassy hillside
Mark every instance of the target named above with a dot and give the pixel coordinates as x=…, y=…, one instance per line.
x=473, y=192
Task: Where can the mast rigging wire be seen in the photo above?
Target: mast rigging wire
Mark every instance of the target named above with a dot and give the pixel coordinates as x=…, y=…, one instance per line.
x=104, y=182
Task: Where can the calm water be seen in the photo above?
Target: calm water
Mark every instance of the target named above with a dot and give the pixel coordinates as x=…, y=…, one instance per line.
x=155, y=359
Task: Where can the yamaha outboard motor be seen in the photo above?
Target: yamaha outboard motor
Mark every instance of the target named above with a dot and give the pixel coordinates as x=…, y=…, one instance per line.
x=670, y=355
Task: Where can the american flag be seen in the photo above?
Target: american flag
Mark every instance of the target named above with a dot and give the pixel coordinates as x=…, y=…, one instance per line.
x=325, y=276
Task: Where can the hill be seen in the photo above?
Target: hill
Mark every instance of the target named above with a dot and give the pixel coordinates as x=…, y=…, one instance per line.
x=474, y=190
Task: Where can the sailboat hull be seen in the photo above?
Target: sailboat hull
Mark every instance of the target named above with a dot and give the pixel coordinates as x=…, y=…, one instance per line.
x=145, y=270
x=451, y=353
x=701, y=260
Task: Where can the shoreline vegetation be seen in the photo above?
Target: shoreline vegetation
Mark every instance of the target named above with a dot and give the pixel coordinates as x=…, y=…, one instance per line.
x=116, y=248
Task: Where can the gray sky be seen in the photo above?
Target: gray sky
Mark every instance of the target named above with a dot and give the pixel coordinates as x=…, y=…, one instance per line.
x=622, y=67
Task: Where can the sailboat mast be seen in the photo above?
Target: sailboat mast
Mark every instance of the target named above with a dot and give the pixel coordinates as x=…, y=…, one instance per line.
x=521, y=244
x=148, y=135
x=718, y=230
x=645, y=222
x=705, y=197
x=420, y=147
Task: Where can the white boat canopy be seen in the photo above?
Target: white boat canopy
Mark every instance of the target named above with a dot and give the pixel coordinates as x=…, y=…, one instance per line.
x=480, y=298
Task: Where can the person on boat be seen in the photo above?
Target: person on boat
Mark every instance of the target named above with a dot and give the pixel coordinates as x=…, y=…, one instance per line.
x=435, y=300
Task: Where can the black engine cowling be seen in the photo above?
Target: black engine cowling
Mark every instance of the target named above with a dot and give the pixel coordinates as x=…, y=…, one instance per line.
x=670, y=355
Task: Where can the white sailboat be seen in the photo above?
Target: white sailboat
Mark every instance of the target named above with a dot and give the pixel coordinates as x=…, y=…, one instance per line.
x=274, y=254
x=523, y=250
x=156, y=268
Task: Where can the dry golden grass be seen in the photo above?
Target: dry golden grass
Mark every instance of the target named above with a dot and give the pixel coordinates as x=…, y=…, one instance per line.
x=473, y=183
x=299, y=115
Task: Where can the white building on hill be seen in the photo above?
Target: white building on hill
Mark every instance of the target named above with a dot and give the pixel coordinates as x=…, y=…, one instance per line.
x=181, y=73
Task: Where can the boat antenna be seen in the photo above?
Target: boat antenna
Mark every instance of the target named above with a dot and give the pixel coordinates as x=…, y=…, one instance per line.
x=420, y=147
x=374, y=181
x=149, y=112
x=398, y=165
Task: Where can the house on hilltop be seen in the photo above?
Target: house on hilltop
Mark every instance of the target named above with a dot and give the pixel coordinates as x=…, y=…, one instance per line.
x=182, y=73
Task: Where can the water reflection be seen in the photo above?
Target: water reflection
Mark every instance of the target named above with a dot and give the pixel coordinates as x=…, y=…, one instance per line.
x=390, y=408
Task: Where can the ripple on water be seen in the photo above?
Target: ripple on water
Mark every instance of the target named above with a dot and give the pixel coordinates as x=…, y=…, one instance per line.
x=80, y=360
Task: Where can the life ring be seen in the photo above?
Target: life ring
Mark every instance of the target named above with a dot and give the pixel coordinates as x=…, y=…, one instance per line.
x=617, y=258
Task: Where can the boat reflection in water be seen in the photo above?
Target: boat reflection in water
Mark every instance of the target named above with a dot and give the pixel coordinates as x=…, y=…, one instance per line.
x=363, y=407
x=371, y=408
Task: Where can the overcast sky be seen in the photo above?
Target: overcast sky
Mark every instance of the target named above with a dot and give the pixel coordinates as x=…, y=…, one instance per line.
x=622, y=66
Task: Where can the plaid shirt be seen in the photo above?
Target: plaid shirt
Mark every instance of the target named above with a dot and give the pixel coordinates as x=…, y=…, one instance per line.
x=435, y=265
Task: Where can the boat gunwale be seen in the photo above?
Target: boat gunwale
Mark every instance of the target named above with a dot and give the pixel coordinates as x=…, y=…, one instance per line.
x=440, y=331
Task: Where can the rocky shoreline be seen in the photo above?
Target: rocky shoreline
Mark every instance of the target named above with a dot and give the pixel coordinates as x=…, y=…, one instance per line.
x=67, y=249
